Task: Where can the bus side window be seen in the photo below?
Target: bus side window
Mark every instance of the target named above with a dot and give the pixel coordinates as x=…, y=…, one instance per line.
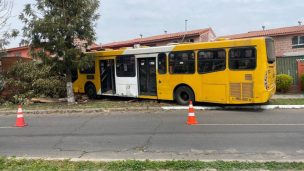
x=211, y=60
x=88, y=69
x=181, y=62
x=125, y=66
x=243, y=58
x=162, y=63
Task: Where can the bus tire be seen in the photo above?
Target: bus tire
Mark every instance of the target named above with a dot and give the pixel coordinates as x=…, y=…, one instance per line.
x=183, y=95
x=90, y=91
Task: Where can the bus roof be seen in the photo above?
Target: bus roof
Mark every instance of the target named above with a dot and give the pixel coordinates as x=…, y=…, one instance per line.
x=179, y=47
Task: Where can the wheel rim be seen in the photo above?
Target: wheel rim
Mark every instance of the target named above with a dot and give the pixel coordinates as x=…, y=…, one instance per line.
x=90, y=92
x=184, y=96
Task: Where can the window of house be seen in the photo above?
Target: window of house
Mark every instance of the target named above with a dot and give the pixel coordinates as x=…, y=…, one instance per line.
x=125, y=66
x=181, y=62
x=18, y=54
x=162, y=63
x=242, y=58
x=191, y=40
x=298, y=41
x=211, y=60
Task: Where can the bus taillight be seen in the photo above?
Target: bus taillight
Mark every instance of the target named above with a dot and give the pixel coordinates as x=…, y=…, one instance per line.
x=266, y=80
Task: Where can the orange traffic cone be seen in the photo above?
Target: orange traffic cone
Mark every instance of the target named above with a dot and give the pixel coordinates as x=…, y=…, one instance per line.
x=20, y=120
x=191, y=115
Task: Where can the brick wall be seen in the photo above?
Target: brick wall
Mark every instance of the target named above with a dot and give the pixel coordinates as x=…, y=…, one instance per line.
x=283, y=45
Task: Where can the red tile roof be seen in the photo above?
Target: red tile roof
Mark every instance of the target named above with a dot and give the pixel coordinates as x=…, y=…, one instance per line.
x=17, y=48
x=154, y=39
x=271, y=32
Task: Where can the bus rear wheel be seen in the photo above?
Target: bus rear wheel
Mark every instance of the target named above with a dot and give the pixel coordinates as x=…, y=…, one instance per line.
x=183, y=95
x=90, y=91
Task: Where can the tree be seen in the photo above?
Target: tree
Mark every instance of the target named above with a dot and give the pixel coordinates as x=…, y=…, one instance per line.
x=5, y=33
x=53, y=25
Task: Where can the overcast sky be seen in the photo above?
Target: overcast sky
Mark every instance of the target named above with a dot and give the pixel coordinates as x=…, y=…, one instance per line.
x=127, y=19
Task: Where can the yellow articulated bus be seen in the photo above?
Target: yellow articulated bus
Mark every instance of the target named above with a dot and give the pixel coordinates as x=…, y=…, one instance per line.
x=226, y=72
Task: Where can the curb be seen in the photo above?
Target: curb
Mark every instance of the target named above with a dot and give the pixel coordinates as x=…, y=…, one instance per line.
x=258, y=107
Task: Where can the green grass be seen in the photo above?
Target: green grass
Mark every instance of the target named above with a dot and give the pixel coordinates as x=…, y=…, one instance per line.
x=14, y=164
x=101, y=103
x=286, y=102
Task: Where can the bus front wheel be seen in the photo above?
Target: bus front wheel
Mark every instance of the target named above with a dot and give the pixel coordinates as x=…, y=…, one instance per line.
x=183, y=95
x=90, y=91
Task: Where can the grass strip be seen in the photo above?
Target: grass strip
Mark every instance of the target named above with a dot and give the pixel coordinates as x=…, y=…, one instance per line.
x=286, y=102
x=88, y=105
x=23, y=164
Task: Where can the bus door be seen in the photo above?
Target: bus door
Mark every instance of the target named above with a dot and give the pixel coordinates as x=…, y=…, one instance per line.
x=147, y=76
x=107, y=76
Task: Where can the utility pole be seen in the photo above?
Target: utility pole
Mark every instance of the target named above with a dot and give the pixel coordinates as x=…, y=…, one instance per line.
x=186, y=25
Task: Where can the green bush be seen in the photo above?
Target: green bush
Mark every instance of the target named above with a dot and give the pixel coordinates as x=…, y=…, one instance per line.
x=283, y=82
x=302, y=82
x=52, y=87
x=32, y=79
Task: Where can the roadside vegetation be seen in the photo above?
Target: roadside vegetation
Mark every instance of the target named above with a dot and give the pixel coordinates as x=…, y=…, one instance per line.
x=24, y=81
x=283, y=82
x=286, y=102
x=14, y=164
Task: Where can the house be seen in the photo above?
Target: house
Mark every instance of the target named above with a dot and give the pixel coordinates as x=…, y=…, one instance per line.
x=289, y=48
x=289, y=41
x=22, y=53
x=14, y=55
x=201, y=35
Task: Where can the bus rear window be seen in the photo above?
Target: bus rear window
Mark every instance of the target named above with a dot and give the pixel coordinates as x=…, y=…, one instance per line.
x=270, y=50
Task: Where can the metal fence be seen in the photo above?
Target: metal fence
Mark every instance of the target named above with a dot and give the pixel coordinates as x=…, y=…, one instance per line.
x=288, y=65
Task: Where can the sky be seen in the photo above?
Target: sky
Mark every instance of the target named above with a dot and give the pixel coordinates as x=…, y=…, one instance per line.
x=127, y=19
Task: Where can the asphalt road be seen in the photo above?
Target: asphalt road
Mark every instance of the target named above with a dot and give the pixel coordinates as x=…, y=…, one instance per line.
x=221, y=135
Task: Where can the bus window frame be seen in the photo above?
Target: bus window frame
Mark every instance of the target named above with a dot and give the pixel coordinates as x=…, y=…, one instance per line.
x=215, y=49
x=243, y=47
x=194, y=64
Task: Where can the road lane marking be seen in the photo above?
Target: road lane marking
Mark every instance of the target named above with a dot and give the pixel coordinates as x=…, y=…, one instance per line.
x=218, y=124
x=8, y=127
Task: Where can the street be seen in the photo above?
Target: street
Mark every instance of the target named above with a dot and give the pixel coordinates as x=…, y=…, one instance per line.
x=158, y=135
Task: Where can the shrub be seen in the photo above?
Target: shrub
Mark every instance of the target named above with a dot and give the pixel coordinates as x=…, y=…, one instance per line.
x=302, y=82
x=32, y=79
x=52, y=87
x=283, y=82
